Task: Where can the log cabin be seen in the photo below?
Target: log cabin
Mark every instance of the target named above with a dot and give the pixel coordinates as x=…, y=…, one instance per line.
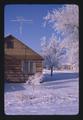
x=20, y=60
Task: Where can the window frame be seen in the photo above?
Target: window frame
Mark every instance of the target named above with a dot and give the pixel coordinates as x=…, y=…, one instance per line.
x=28, y=67
x=10, y=44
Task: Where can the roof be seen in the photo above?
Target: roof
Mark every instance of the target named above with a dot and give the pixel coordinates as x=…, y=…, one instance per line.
x=11, y=37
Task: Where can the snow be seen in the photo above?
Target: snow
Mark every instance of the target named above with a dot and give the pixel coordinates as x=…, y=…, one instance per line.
x=51, y=97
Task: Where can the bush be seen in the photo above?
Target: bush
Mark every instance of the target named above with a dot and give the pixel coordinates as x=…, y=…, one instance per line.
x=35, y=79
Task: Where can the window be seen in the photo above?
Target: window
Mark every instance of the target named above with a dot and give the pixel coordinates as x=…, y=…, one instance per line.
x=28, y=67
x=10, y=44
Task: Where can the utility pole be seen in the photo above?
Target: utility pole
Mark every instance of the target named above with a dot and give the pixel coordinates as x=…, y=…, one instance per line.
x=21, y=20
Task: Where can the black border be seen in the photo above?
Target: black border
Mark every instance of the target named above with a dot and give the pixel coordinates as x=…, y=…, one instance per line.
x=2, y=115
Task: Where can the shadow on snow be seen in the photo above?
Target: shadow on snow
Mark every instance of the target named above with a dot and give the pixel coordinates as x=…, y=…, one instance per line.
x=11, y=87
x=59, y=76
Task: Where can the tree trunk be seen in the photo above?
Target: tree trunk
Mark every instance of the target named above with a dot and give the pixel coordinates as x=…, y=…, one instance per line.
x=51, y=71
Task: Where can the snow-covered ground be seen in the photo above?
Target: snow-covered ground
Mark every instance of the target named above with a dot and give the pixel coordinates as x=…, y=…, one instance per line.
x=56, y=95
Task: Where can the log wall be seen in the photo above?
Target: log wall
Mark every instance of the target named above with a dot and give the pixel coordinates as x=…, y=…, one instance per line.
x=13, y=71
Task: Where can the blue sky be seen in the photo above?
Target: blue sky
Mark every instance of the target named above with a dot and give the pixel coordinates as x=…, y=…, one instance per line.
x=31, y=32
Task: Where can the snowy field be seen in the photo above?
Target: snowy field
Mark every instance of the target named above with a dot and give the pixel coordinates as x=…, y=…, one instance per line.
x=56, y=95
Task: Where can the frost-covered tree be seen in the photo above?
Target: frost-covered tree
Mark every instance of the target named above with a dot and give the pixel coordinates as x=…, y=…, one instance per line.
x=65, y=20
x=51, y=52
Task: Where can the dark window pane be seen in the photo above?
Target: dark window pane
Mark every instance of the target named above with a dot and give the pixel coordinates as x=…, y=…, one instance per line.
x=10, y=44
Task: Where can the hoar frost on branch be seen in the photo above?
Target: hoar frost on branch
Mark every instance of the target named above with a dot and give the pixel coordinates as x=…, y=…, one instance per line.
x=52, y=52
x=66, y=21
x=63, y=18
